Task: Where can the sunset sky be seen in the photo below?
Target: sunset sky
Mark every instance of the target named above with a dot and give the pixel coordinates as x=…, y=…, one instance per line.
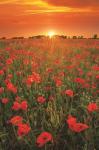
x=32, y=17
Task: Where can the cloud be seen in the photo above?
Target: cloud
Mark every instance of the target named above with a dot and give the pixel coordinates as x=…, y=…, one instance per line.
x=26, y=7
x=57, y=3
x=29, y=7
x=74, y=3
x=7, y=1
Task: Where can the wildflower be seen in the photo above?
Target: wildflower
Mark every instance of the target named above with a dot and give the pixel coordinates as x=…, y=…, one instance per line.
x=70, y=67
x=78, y=127
x=57, y=61
x=16, y=106
x=74, y=126
x=5, y=100
x=43, y=138
x=41, y=99
x=33, y=78
x=97, y=76
x=30, y=80
x=95, y=68
x=1, y=72
x=16, y=120
x=69, y=93
x=9, y=61
x=62, y=74
x=36, y=77
x=80, y=80
x=71, y=120
x=11, y=88
x=23, y=129
x=58, y=82
x=92, y=107
x=8, y=49
x=49, y=70
x=24, y=105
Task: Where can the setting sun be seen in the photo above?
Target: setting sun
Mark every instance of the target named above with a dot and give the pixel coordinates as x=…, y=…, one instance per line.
x=51, y=34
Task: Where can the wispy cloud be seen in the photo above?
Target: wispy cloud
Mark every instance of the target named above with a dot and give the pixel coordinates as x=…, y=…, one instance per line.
x=7, y=1
x=74, y=3
x=45, y=6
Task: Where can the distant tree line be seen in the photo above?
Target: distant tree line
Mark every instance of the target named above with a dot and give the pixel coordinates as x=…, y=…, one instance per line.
x=95, y=36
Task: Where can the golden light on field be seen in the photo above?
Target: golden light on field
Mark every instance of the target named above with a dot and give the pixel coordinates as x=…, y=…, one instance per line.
x=51, y=34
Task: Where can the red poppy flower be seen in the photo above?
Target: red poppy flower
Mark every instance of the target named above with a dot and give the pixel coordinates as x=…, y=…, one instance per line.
x=95, y=67
x=69, y=93
x=97, y=76
x=71, y=120
x=8, y=49
x=43, y=138
x=16, y=120
x=1, y=72
x=49, y=70
x=23, y=129
x=9, y=61
x=78, y=127
x=80, y=80
x=92, y=107
x=35, y=77
x=5, y=100
x=41, y=99
x=24, y=105
x=58, y=82
x=16, y=106
x=11, y=88
x=30, y=80
x=74, y=126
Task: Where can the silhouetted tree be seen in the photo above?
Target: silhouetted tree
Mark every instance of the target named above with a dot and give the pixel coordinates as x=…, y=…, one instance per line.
x=80, y=37
x=63, y=36
x=3, y=38
x=18, y=37
x=95, y=36
x=74, y=37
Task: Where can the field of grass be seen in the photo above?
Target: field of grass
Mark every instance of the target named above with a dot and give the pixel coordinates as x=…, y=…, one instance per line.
x=49, y=94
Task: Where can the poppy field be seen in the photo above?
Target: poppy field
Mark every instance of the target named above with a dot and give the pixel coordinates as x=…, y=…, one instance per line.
x=49, y=94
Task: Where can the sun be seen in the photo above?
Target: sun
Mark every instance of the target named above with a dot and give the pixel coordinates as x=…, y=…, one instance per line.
x=51, y=34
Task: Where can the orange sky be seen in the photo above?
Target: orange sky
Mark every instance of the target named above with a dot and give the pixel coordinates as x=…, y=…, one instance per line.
x=31, y=17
